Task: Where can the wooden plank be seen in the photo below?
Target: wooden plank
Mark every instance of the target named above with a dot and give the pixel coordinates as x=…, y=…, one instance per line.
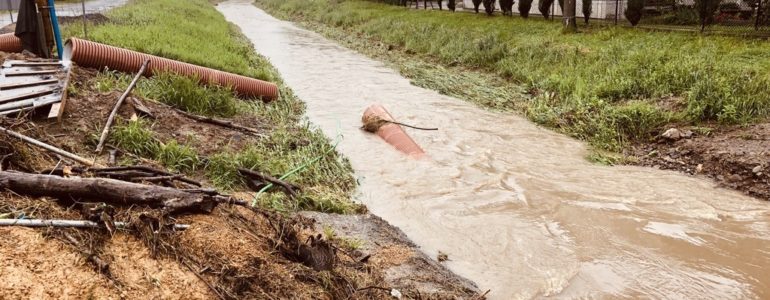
x=64, y=93
x=28, y=95
x=31, y=73
x=27, y=84
x=54, y=111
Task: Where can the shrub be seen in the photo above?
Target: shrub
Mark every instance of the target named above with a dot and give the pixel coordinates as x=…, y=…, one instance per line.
x=587, y=10
x=524, y=7
x=544, y=7
x=507, y=7
x=489, y=7
x=634, y=11
x=476, y=4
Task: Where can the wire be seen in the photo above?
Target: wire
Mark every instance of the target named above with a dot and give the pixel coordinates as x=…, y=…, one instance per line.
x=300, y=168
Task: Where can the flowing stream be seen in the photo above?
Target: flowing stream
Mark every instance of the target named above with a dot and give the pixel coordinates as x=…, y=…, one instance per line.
x=516, y=207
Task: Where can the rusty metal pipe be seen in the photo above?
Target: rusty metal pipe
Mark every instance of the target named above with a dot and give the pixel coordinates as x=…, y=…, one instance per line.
x=10, y=43
x=95, y=55
x=393, y=133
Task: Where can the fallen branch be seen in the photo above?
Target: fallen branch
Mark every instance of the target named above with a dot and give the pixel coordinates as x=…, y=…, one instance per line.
x=101, y=266
x=106, y=190
x=289, y=188
x=198, y=274
x=48, y=147
x=157, y=178
x=223, y=123
x=152, y=171
x=68, y=223
x=115, y=109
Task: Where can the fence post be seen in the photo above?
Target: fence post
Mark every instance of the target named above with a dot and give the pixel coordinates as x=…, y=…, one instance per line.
x=85, y=21
x=568, y=16
x=759, y=15
x=10, y=10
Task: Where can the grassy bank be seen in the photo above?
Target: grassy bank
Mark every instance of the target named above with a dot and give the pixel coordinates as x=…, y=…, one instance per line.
x=193, y=31
x=608, y=85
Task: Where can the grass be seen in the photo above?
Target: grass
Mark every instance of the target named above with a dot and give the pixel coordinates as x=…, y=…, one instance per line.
x=193, y=31
x=606, y=85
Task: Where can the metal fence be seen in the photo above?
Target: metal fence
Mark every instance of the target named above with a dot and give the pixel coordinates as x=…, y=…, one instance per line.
x=743, y=17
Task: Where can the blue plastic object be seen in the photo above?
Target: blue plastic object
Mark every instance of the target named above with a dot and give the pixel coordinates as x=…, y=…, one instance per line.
x=55, y=24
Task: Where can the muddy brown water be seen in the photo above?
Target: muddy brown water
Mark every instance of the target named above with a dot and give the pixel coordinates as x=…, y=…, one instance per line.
x=516, y=207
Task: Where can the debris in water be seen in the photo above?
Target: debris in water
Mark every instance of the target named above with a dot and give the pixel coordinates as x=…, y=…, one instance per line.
x=442, y=257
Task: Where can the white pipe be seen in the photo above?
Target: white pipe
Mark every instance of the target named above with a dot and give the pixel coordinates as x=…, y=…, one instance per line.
x=67, y=223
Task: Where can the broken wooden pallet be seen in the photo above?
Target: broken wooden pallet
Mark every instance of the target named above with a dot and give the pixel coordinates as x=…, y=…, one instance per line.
x=29, y=85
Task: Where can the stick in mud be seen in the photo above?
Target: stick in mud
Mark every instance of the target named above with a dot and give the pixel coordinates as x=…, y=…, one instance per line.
x=115, y=109
x=223, y=123
x=48, y=147
x=289, y=188
x=68, y=223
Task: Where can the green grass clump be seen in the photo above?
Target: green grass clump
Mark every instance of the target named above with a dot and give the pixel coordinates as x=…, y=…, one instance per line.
x=187, y=94
x=603, y=85
x=182, y=158
x=175, y=90
x=325, y=183
x=135, y=137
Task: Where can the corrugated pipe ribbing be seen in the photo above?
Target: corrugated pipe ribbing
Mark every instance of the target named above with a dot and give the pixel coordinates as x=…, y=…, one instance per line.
x=95, y=55
x=393, y=133
x=10, y=43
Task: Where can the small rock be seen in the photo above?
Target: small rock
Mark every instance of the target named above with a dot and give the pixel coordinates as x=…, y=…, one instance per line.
x=672, y=134
x=757, y=169
x=442, y=257
x=396, y=293
x=699, y=168
x=734, y=178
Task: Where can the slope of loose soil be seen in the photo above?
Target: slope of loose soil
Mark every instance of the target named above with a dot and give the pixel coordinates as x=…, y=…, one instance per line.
x=735, y=157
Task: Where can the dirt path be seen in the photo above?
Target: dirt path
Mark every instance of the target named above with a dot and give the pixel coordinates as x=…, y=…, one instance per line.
x=517, y=208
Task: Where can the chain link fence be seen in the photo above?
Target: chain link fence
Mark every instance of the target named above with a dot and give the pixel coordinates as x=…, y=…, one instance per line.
x=742, y=17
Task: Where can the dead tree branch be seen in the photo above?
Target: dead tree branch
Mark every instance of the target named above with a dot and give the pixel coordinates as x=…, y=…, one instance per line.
x=115, y=109
x=289, y=188
x=48, y=147
x=105, y=190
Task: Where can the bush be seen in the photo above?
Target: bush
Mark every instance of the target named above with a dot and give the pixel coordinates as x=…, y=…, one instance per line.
x=634, y=11
x=587, y=10
x=524, y=7
x=706, y=10
x=545, y=7
x=489, y=7
x=476, y=4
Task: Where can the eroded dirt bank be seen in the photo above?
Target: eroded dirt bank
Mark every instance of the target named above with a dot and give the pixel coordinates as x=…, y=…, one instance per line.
x=735, y=157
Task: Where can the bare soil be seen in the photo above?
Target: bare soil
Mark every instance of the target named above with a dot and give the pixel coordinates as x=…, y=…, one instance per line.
x=233, y=252
x=735, y=157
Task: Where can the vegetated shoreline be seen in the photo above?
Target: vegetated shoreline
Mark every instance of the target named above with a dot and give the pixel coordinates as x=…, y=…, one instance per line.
x=232, y=252
x=622, y=124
